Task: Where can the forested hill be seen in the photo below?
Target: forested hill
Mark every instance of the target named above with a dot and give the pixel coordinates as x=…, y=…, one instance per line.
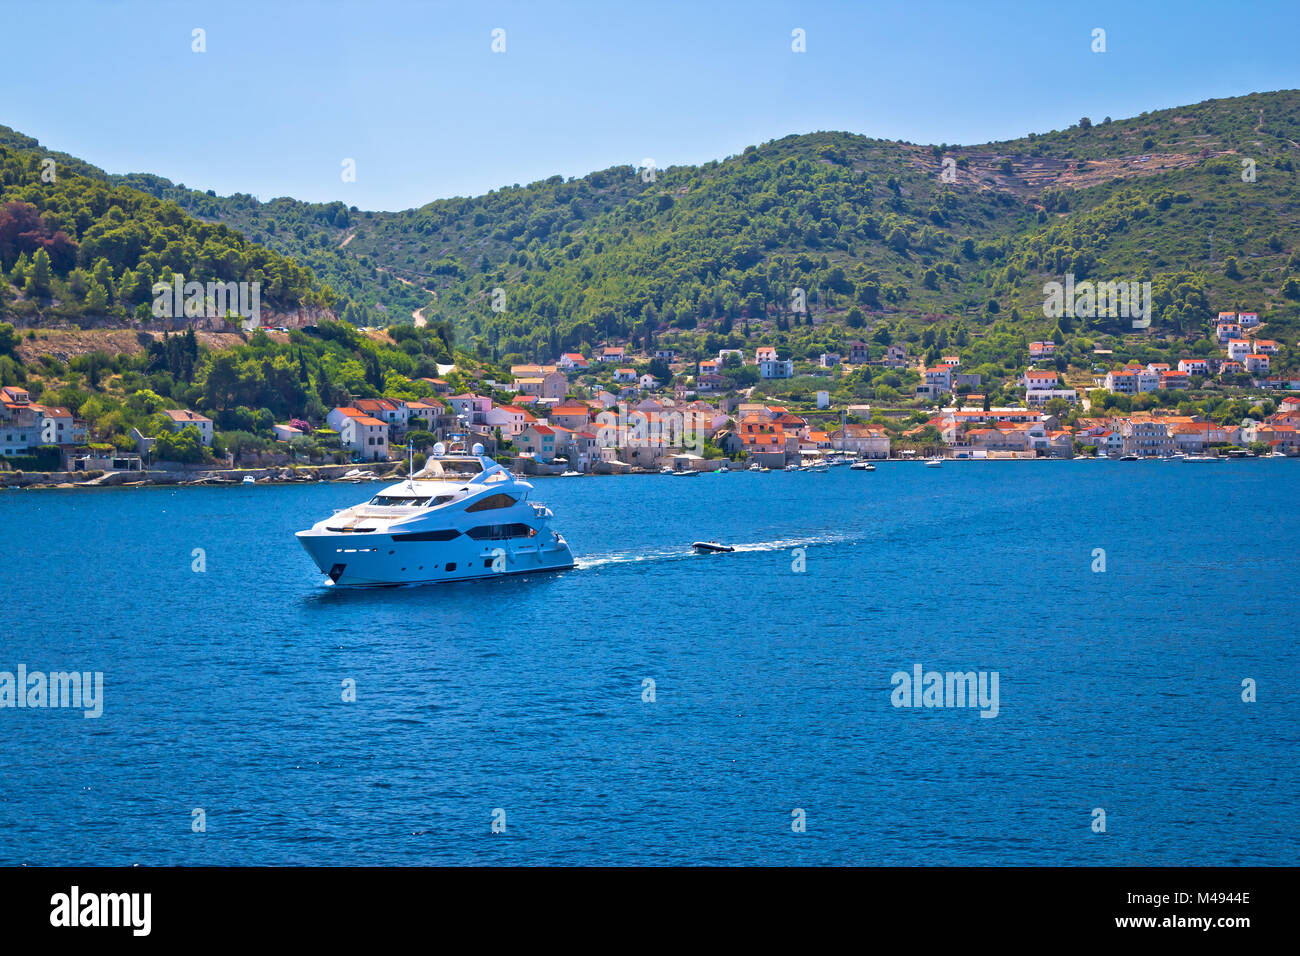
x=76, y=246
x=870, y=228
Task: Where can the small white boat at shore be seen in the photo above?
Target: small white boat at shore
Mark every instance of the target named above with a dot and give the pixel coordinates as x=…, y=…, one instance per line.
x=249, y=480
x=862, y=466
x=934, y=463
x=570, y=474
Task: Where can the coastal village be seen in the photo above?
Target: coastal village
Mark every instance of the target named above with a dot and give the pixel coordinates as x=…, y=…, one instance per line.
x=615, y=411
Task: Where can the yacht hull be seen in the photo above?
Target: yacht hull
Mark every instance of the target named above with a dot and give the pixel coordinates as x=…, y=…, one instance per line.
x=376, y=560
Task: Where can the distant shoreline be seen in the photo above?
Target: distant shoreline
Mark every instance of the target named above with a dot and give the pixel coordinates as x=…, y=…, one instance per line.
x=390, y=471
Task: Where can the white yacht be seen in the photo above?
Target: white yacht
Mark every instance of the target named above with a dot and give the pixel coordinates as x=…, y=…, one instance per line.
x=460, y=517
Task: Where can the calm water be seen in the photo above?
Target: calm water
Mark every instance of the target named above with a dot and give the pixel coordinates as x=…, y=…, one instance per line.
x=1119, y=690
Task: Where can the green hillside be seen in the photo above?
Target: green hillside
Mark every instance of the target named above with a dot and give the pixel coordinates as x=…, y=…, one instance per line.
x=868, y=228
x=77, y=247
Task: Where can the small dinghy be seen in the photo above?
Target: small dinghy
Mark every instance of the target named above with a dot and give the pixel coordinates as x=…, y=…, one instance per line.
x=712, y=547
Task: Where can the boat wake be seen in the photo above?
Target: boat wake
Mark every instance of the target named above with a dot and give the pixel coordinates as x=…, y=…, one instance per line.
x=685, y=553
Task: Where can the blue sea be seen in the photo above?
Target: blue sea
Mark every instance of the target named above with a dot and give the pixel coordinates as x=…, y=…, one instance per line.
x=526, y=702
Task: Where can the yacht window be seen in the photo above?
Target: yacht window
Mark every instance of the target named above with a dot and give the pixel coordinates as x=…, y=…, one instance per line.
x=500, y=532
x=442, y=500
x=442, y=534
x=396, y=501
x=491, y=502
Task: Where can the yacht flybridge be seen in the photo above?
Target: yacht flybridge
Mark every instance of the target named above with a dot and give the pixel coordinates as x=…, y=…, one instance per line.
x=460, y=517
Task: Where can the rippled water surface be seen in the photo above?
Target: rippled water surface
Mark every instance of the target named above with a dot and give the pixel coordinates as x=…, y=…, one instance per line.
x=1118, y=690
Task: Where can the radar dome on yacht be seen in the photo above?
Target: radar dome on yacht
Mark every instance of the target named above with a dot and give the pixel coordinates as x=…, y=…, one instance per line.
x=440, y=449
x=478, y=448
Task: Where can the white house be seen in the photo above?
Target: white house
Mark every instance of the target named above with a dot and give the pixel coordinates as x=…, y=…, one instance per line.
x=1225, y=331
x=1039, y=379
x=366, y=436
x=939, y=378
x=472, y=408
x=570, y=361
x=1256, y=363
x=511, y=419
x=776, y=368
x=1147, y=380
x=60, y=427
x=181, y=417
x=1035, y=397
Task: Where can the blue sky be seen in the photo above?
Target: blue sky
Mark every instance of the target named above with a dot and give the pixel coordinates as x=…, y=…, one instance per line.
x=414, y=94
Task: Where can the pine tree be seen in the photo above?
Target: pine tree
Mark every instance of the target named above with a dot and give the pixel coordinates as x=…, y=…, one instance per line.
x=38, y=282
x=18, y=274
x=96, y=296
x=191, y=353
x=104, y=275
x=323, y=387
